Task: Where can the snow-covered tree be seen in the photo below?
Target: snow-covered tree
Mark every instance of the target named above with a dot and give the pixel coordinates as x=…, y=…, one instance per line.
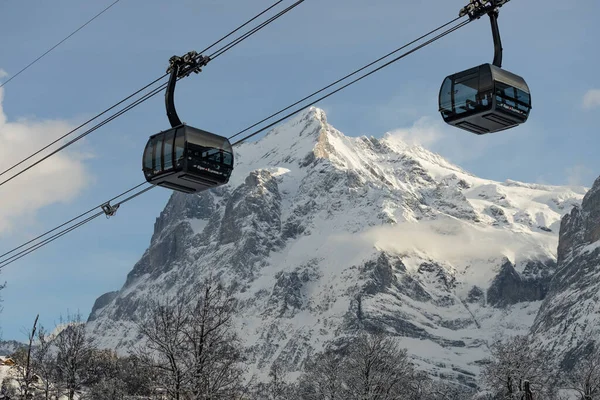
x=25, y=366
x=371, y=367
x=377, y=369
x=276, y=388
x=73, y=352
x=323, y=378
x=584, y=378
x=163, y=349
x=44, y=364
x=211, y=340
x=519, y=370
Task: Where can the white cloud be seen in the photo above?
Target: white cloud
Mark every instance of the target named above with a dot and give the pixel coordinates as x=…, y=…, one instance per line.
x=446, y=239
x=579, y=175
x=58, y=179
x=425, y=131
x=591, y=99
x=456, y=145
x=3, y=73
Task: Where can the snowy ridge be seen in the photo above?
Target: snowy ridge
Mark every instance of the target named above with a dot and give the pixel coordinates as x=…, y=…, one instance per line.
x=568, y=319
x=324, y=234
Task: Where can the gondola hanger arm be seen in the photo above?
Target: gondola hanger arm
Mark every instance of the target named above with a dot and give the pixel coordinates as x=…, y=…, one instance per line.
x=476, y=9
x=180, y=67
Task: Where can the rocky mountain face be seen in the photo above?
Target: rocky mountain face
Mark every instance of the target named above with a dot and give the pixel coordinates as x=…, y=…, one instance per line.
x=322, y=235
x=569, y=318
x=8, y=347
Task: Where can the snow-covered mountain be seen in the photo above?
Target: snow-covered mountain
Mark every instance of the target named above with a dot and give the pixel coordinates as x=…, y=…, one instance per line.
x=569, y=317
x=324, y=234
x=8, y=347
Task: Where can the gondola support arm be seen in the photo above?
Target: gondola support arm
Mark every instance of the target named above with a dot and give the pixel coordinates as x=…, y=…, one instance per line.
x=476, y=9
x=180, y=67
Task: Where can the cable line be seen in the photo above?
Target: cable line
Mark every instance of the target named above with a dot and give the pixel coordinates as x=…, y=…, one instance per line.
x=136, y=103
x=147, y=96
x=69, y=221
x=361, y=77
x=79, y=127
x=240, y=27
x=52, y=238
x=33, y=248
x=59, y=43
x=344, y=78
x=254, y=30
x=458, y=26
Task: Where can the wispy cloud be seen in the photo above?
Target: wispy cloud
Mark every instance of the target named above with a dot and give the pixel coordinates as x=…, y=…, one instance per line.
x=425, y=131
x=579, y=175
x=446, y=239
x=58, y=179
x=456, y=145
x=3, y=73
x=591, y=99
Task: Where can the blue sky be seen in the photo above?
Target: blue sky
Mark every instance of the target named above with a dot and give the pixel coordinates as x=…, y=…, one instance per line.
x=554, y=47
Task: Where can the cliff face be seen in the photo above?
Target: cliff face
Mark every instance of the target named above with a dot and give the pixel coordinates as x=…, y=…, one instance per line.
x=570, y=316
x=322, y=235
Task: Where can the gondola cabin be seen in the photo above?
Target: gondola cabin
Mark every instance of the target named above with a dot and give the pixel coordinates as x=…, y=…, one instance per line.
x=484, y=99
x=187, y=159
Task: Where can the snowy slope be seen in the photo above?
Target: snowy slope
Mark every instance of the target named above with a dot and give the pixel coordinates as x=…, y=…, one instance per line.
x=324, y=234
x=569, y=317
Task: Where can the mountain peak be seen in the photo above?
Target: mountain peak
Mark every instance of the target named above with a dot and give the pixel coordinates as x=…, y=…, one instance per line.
x=300, y=125
x=319, y=233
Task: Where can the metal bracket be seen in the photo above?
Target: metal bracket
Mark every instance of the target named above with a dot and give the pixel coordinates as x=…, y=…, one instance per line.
x=188, y=63
x=478, y=8
x=180, y=67
x=109, y=210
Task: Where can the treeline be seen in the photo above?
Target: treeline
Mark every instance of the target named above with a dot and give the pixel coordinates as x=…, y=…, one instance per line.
x=67, y=365
x=371, y=367
x=189, y=350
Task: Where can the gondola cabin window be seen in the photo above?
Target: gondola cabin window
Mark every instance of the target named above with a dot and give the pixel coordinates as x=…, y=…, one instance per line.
x=168, y=150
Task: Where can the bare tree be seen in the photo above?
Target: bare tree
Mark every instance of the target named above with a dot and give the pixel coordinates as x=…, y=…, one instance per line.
x=276, y=388
x=74, y=349
x=44, y=363
x=372, y=367
x=440, y=390
x=520, y=371
x=2, y=286
x=377, y=368
x=585, y=376
x=323, y=378
x=164, y=347
x=210, y=338
x=137, y=376
x=192, y=341
x=103, y=370
x=24, y=363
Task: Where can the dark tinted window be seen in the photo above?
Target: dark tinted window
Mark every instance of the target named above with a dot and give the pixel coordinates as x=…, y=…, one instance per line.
x=227, y=158
x=157, y=155
x=465, y=94
x=207, y=139
x=179, y=146
x=506, y=94
x=446, y=96
x=523, y=100
x=168, y=152
x=148, y=154
x=212, y=154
